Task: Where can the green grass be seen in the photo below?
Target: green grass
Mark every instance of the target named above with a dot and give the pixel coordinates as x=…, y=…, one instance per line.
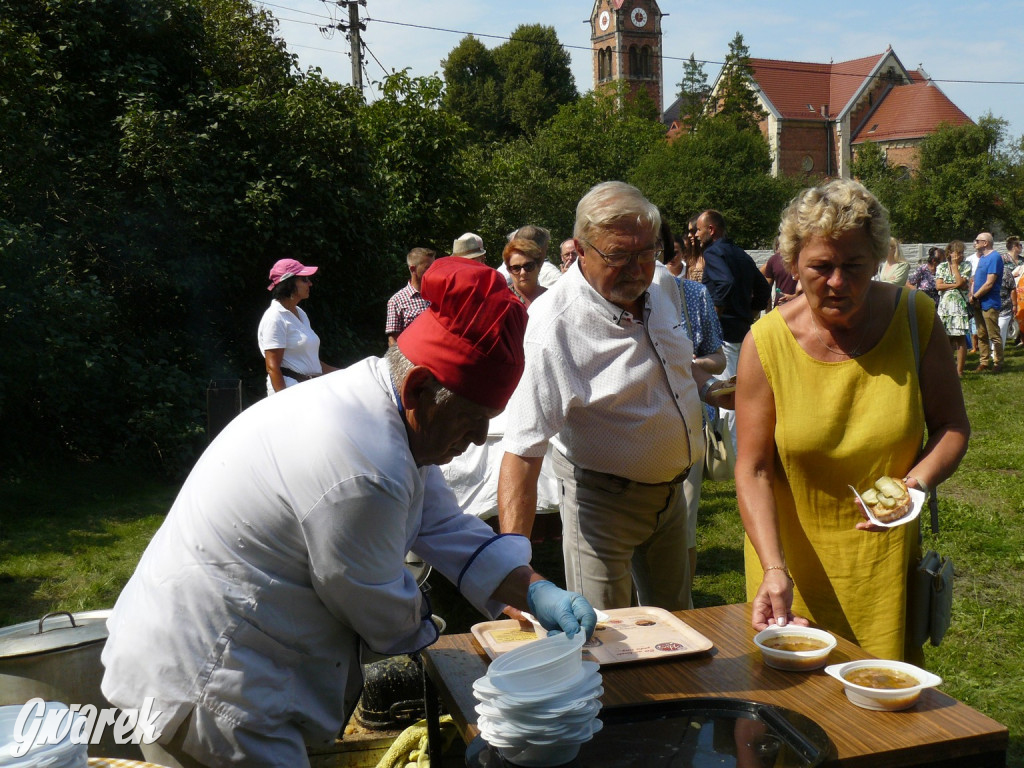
x=69, y=539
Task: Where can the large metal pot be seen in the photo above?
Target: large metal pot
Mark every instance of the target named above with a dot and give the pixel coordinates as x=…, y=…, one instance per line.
x=57, y=658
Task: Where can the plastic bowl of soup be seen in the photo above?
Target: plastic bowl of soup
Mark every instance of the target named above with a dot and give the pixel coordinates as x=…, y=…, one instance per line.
x=885, y=686
x=793, y=648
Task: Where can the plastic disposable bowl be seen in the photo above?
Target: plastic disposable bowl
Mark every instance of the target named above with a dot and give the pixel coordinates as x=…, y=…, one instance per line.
x=883, y=699
x=534, y=755
x=795, y=661
x=546, y=663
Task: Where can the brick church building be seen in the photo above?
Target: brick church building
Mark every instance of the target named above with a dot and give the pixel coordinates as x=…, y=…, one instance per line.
x=816, y=114
x=625, y=36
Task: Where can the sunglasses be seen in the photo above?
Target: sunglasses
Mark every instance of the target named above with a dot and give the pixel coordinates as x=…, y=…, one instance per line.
x=529, y=266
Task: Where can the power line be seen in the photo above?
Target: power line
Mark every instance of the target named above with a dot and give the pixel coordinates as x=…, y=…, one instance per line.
x=367, y=49
x=779, y=67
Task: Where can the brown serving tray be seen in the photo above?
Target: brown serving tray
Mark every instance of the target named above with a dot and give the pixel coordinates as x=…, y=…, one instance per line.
x=629, y=634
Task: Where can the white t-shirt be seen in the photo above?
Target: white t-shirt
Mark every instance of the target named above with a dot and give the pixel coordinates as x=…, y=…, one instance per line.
x=615, y=394
x=280, y=329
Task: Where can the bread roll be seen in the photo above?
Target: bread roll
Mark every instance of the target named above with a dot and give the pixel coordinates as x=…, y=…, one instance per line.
x=888, y=500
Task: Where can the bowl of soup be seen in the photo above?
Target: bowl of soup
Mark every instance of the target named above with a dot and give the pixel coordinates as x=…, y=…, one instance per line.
x=793, y=648
x=886, y=686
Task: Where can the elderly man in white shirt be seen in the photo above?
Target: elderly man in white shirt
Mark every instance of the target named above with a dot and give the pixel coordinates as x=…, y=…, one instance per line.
x=609, y=381
x=281, y=562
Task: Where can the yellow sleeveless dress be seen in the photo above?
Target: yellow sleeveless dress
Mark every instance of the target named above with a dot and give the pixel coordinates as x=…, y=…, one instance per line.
x=838, y=424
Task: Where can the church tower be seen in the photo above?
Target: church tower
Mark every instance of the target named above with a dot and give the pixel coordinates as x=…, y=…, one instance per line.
x=625, y=36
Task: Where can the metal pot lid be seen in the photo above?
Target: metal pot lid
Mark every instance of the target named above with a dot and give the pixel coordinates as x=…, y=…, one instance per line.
x=53, y=632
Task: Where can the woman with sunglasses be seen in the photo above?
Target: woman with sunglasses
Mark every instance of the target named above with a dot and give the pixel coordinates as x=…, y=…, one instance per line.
x=288, y=342
x=523, y=259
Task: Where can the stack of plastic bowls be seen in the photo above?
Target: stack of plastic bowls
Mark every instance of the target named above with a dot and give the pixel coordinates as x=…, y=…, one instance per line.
x=53, y=734
x=539, y=702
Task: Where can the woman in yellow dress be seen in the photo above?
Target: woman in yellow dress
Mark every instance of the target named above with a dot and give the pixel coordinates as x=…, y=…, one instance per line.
x=829, y=396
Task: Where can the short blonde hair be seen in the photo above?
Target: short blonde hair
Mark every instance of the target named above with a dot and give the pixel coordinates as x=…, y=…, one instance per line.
x=528, y=248
x=829, y=211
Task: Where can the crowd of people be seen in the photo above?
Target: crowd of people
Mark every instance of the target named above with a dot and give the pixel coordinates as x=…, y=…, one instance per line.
x=834, y=362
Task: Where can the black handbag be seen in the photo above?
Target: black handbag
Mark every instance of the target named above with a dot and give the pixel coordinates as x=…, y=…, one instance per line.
x=930, y=599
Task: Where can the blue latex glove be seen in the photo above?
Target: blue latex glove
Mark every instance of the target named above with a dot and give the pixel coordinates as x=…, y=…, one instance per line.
x=560, y=611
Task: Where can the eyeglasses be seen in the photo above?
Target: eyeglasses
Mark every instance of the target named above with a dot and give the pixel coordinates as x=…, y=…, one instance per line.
x=529, y=266
x=622, y=259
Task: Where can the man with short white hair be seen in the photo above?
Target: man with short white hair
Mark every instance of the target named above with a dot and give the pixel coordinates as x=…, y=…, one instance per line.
x=609, y=382
x=567, y=250
x=983, y=298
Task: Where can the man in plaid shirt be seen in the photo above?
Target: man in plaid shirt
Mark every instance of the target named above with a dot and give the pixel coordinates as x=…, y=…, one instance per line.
x=405, y=305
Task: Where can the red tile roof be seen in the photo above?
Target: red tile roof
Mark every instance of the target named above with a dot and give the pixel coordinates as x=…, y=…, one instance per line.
x=793, y=85
x=848, y=77
x=910, y=112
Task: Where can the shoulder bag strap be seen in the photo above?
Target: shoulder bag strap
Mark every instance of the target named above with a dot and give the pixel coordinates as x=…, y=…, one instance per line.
x=915, y=343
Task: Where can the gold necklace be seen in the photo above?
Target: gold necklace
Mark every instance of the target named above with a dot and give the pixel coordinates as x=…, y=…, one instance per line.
x=855, y=352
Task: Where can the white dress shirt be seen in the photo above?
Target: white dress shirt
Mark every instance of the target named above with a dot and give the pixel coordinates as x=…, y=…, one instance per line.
x=612, y=392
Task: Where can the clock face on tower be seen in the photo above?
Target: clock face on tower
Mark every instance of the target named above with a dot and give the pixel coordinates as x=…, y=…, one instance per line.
x=638, y=16
x=604, y=20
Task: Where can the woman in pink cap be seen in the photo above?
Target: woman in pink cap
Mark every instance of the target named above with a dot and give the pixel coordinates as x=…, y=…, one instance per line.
x=289, y=345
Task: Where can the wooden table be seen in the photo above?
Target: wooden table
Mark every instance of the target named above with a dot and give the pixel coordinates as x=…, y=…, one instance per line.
x=938, y=731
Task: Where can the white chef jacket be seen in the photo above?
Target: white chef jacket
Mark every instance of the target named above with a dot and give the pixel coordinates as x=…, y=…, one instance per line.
x=612, y=392
x=284, y=549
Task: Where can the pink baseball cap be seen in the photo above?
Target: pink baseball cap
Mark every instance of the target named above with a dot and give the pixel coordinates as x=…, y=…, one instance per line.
x=286, y=268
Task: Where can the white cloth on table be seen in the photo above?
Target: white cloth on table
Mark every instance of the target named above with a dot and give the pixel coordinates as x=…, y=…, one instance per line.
x=283, y=556
x=473, y=476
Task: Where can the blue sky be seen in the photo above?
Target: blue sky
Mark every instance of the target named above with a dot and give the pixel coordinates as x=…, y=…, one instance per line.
x=934, y=35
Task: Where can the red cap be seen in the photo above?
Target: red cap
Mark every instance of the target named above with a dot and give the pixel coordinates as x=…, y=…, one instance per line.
x=471, y=337
x=286, y=268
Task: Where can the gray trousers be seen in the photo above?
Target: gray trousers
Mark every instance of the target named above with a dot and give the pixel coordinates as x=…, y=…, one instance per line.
x=617, y=535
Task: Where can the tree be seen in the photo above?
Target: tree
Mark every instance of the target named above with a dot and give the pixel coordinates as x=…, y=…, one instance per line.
x=510, y=91
x=473, y=89
x=737, y=101
x=418, y=164
x=693, y=93
x=159, y=155
x=720, y=166
x=536, y=74
x=601, y=136
x=890, y=185
x=1011, y=209
x=959, y=185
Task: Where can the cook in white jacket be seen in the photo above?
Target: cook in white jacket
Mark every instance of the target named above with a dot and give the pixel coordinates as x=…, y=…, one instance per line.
x=282, y=557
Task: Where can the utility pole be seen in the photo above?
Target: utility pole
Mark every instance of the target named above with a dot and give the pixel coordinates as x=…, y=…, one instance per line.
x=352, y=30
